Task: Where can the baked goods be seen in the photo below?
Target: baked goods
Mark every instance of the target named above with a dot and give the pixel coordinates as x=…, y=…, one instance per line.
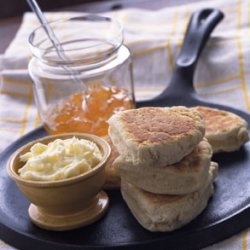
x=158, y=136
x=182, y=177
x=164, y=163
x=225, y=131
x=157, y=212
x=113, y=179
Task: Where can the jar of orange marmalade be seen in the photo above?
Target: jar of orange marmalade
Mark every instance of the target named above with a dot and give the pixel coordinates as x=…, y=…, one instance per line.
x=82, y=76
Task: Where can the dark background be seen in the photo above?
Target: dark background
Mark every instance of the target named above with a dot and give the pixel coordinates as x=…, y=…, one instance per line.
x=10, y=8
x=14, y=8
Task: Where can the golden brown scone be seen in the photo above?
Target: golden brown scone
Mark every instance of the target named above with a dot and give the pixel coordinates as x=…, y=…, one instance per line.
x=225, y=131
x=156, y=212
x=158, y=136
x=183, y=177
x=113, y=179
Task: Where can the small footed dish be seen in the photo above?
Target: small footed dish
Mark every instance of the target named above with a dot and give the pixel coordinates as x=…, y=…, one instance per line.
x=69, y=203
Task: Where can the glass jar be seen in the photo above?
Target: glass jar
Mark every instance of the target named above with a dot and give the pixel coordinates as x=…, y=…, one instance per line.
x=81, y=83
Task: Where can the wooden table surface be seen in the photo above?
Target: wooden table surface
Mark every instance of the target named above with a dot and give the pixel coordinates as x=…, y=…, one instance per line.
x=9, y=27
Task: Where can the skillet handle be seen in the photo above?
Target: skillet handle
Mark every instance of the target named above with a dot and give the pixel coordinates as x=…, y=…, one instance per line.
x=200, y=27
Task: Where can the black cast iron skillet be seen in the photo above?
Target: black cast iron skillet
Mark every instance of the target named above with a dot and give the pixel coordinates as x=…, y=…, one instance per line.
x=180, y=90
x=226, y=213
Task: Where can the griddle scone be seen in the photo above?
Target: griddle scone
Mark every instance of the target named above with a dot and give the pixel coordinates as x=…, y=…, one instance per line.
x=183, y=177
x=225, y=131
x=156, y=212
x=158, y=136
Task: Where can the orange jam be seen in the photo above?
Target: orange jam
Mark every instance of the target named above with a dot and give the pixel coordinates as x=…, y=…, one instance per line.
x=88, y=113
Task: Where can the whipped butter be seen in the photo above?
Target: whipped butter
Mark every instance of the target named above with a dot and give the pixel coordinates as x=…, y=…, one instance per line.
x=59, y=159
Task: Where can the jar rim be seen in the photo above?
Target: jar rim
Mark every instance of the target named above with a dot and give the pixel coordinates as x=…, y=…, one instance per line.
x=115, y=39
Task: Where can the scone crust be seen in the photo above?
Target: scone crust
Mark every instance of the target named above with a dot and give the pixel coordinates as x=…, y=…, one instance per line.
x=183, y=177
x=161, y=136
x=166, y=212
x=225, y=131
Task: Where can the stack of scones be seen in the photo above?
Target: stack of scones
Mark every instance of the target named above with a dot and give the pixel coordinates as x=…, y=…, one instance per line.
x=164, y=163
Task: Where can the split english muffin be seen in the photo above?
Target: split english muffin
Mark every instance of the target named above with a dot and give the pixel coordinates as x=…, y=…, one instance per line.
x=158, y=136
x=183, y=177
x=157, y=212
x=225, y=131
